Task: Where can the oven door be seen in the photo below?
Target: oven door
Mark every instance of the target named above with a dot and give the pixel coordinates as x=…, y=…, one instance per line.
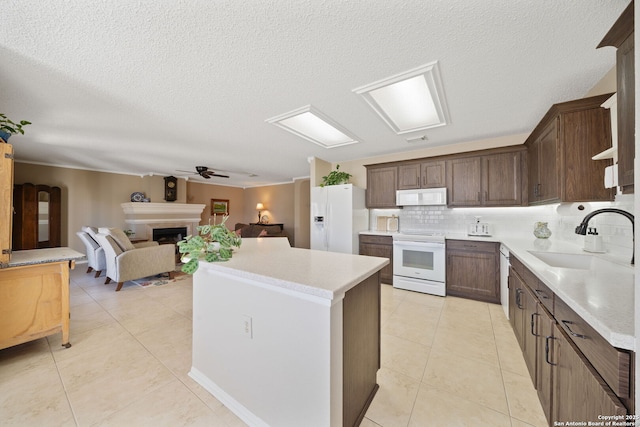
x=419, y=260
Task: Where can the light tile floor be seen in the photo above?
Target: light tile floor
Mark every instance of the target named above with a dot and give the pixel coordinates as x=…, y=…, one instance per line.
x=445, y=362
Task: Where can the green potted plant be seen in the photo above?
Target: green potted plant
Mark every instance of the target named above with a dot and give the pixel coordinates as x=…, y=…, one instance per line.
x=9, y=127
x=212, y=243
x=335, y=177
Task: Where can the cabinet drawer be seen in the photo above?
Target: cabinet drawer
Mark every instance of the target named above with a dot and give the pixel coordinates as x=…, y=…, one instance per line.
x=381, y=240
x=540, y=290
x=472, y=245
x=516, y=264
x=612, y=364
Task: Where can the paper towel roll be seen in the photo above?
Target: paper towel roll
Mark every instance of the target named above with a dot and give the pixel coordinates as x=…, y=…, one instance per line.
x=611, y=176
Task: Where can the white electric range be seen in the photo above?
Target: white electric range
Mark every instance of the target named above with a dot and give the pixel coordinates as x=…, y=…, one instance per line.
x=419, y=262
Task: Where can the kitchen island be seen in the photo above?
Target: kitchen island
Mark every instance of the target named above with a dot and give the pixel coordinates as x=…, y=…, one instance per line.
x=288, y=337
x=34, y=295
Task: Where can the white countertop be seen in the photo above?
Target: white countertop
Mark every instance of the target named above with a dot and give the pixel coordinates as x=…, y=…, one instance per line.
x=42, y=256
x=603, y=296
x=319, y=273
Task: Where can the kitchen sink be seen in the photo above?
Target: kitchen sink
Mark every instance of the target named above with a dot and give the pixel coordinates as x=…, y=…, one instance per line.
x=565, y=260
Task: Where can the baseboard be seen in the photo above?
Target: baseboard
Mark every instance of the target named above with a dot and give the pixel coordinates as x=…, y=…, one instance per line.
x=234, y=406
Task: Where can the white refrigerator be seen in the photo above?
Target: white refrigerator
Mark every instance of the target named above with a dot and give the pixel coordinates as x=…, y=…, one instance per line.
x=338, y=214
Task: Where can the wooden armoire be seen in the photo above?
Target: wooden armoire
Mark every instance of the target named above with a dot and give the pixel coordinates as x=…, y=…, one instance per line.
x=37, y=216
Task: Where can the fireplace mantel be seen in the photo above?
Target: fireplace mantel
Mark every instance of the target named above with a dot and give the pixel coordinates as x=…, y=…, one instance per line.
x=142, y=218
x=162, y=208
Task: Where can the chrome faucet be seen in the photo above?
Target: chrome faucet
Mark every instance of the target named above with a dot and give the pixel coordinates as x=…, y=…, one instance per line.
x=582, y=228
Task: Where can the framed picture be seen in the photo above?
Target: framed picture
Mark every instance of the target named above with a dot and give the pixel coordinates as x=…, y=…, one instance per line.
x=219, y=207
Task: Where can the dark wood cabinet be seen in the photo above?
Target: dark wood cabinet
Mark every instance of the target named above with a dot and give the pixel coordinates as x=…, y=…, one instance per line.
x=409, y=176
x=380, y=246
x=502, y=179
x=37, y=216
x=422, y=175
x=578, y=375
x=543, y=167
x=488, y=180
x=382, y=183
x=433, y=174
x=523, y=309
x=543, y=381
x=621, y=37
x=579, y=393
x=473, y=270
x=560, y=149
x=464, y=181
x=495, y=177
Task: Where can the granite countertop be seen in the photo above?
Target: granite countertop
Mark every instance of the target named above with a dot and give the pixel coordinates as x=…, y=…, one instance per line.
x=319, y=273
x=43, y=256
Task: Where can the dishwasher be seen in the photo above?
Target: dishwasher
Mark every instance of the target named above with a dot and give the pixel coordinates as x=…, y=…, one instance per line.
x=504, y=279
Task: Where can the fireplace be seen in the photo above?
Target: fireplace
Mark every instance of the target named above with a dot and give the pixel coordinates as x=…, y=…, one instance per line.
x=169, y=235
x=162, y=222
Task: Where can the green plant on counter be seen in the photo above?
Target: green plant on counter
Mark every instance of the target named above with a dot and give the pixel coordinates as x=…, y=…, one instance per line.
x=213, y=243
x=335, y=177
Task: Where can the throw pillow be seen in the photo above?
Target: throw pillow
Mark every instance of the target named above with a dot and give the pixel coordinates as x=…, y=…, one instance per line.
x=120, y=238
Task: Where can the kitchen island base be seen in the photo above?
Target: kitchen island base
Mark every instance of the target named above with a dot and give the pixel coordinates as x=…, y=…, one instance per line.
x=277, y=356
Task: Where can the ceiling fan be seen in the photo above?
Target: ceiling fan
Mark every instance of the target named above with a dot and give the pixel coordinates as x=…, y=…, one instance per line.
x=205, y=172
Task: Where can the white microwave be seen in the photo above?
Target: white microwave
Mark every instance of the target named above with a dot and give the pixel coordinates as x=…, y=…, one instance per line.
x=421, y=197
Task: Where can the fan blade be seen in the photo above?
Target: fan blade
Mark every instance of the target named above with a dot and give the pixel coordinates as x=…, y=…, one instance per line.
x=220, y=175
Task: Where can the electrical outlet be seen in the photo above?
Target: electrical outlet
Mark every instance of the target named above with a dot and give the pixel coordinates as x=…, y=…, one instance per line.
x=247, y=327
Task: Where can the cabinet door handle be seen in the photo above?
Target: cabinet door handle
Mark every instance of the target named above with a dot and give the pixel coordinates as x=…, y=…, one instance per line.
x=518, y=291
x=546, y=350
x=542, y=294
x=486, y=195
x=539, y=192
x=470, y=246
x=533, y=323
x=566, y=323
x=479, y=196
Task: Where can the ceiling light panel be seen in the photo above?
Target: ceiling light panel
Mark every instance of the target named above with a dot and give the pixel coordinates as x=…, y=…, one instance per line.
x=411, y=101
x=309, y=123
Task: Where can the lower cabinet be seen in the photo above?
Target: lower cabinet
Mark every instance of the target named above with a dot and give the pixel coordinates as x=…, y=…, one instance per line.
x=571, y=386
x=545, y=331
x=579, y=393
x=473, y=270
x=380, y=246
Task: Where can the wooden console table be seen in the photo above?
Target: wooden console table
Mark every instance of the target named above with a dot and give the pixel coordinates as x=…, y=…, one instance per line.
x=34, y=295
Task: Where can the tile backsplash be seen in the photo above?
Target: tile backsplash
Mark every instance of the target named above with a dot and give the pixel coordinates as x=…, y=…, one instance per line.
x=616, y=230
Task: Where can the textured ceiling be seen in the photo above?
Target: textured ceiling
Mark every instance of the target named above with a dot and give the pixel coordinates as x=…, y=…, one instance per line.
x=155, y=86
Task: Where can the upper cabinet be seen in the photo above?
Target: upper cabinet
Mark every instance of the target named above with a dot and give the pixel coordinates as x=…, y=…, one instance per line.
x=492, y=177
x=488, y=180
x=620, y=36
x=560, y=150
x=382, y=183
x=429, y=174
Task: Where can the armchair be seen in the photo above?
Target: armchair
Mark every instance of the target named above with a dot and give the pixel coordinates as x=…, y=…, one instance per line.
x=126, y=261
x=95, y=252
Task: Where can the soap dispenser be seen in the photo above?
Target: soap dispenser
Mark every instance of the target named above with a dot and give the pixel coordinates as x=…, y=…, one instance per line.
x=593, y=241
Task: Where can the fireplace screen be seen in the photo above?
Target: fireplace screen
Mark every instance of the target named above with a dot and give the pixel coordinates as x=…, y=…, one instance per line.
x=169, y=235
